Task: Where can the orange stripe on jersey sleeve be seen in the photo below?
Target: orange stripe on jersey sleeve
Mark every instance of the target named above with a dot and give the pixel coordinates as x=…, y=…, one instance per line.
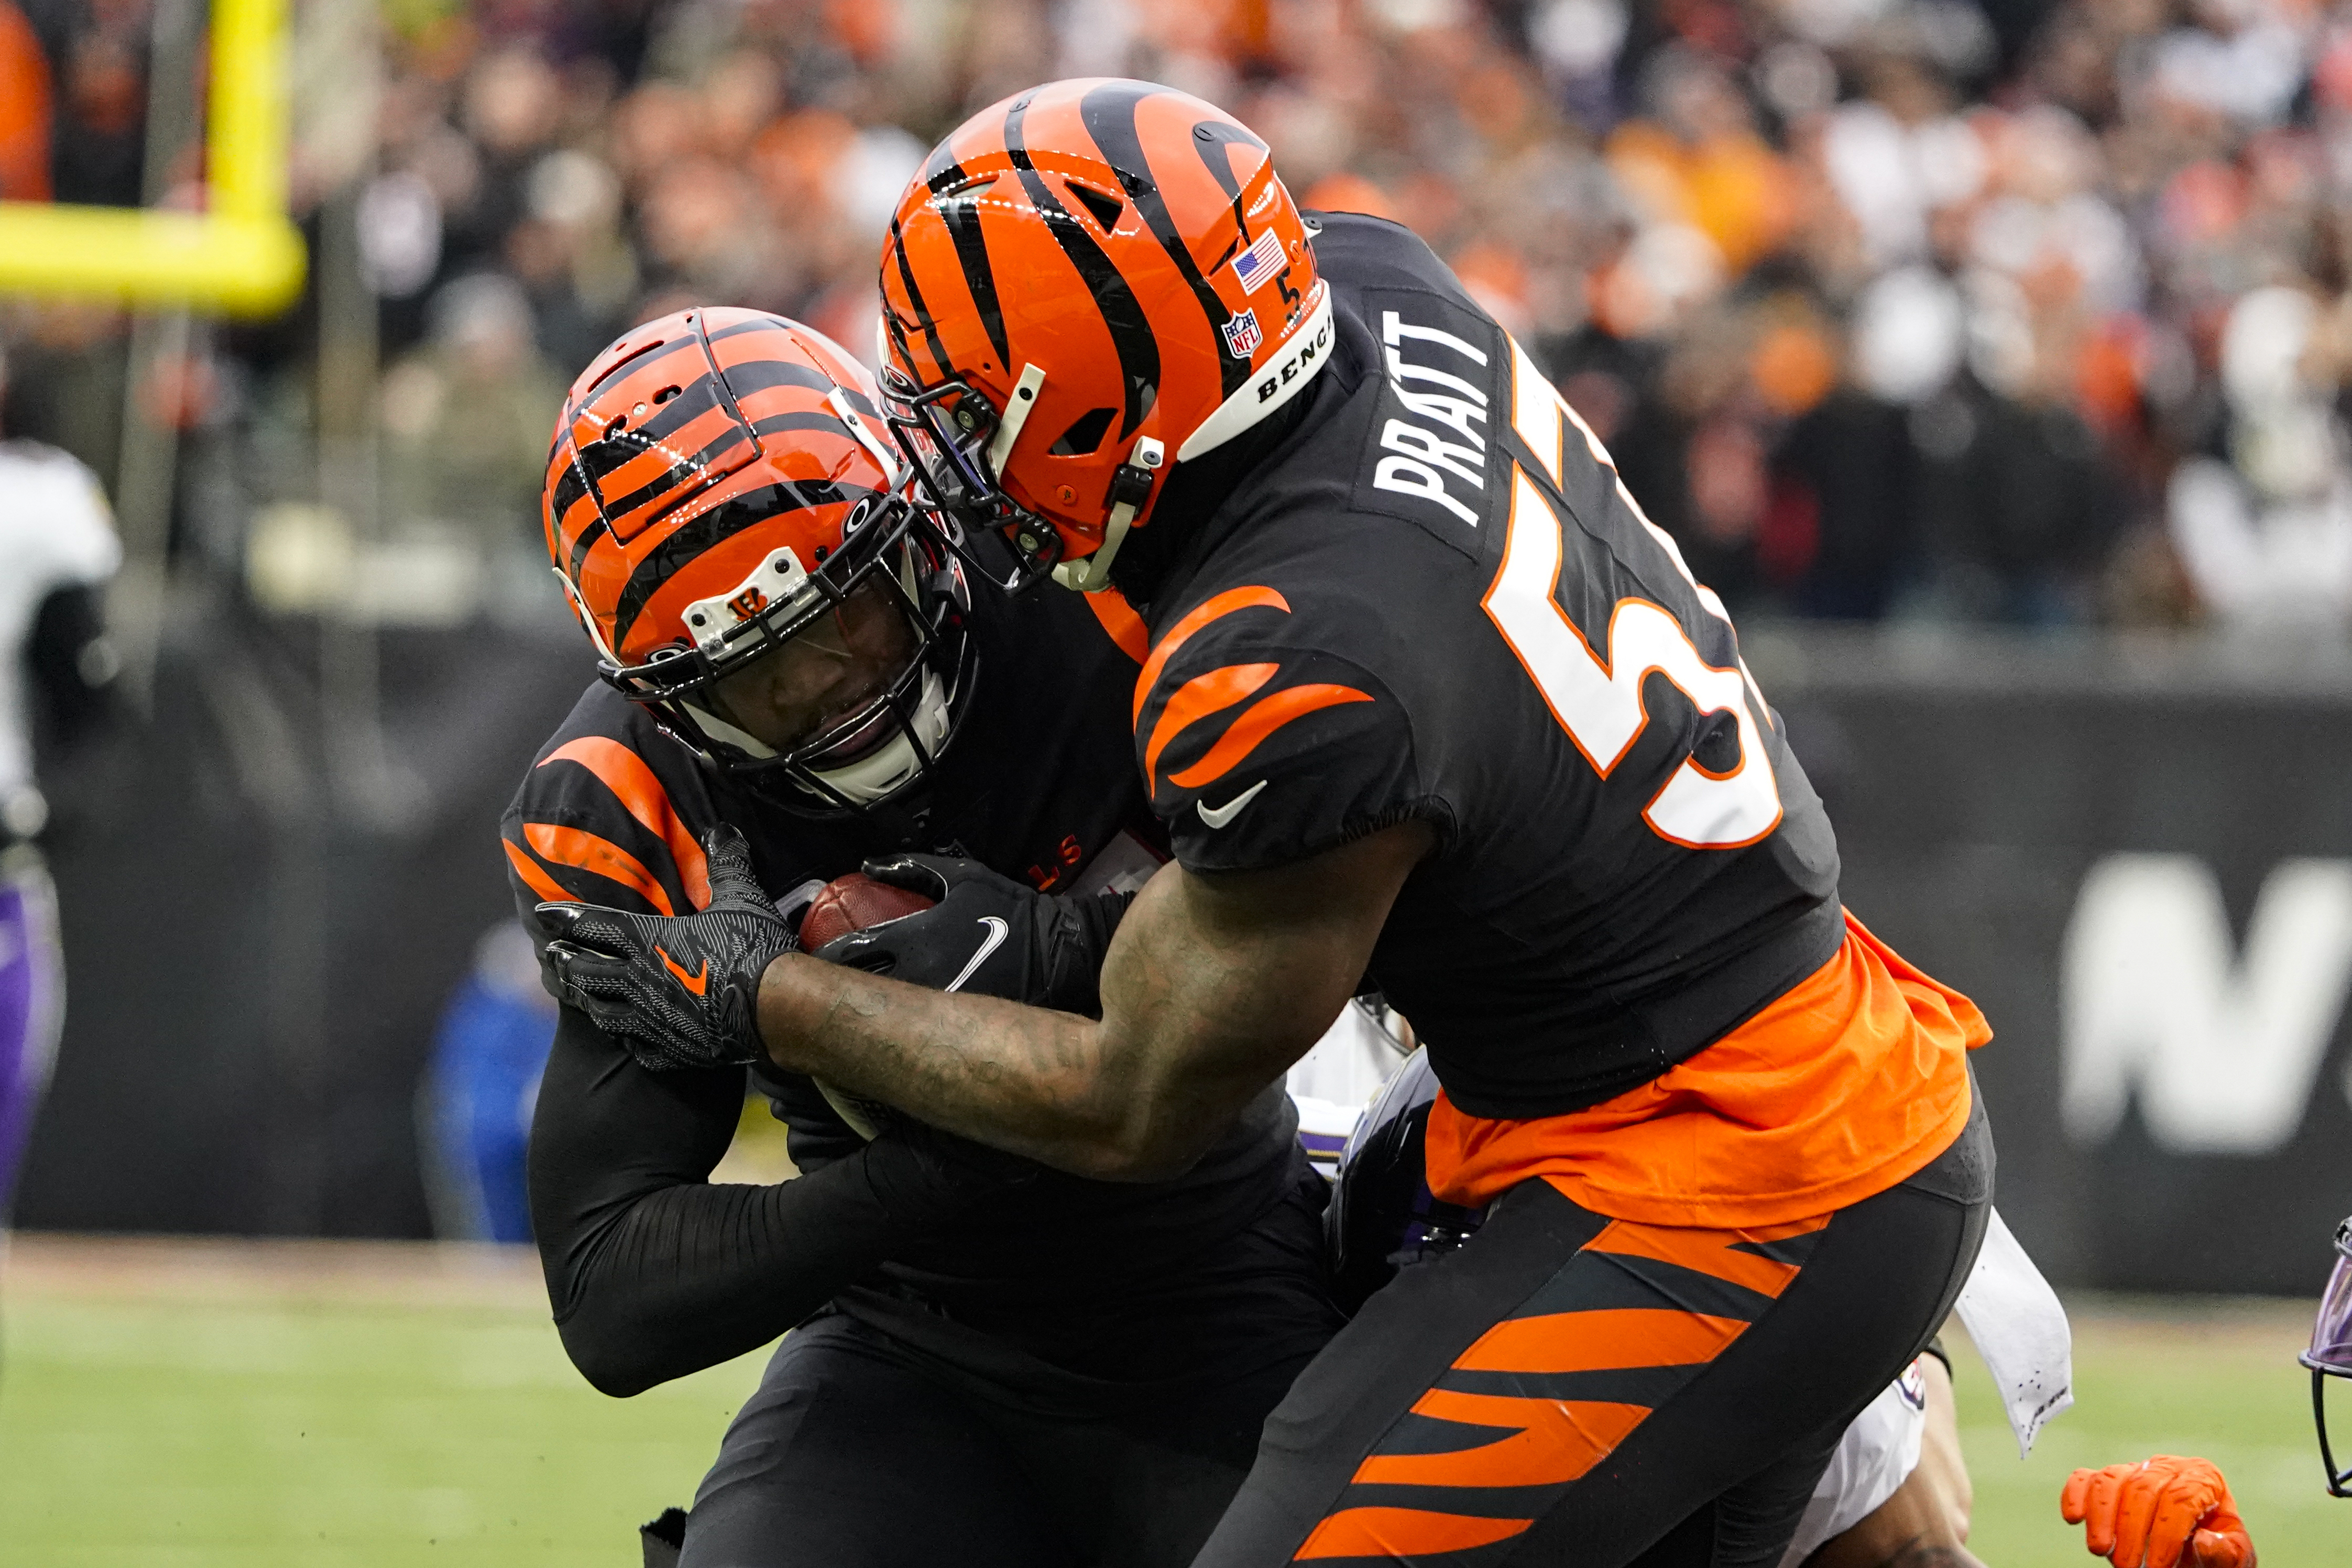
x=1712, y=1253
x=1403, y=1533
x=538, y=881
x=625, y=773
x=1119, y=619
x=1600, y=1340
x=1557, y=1441
x=1262, y=719
x=570, y=846
x=1215, y=609
x=1196, y=699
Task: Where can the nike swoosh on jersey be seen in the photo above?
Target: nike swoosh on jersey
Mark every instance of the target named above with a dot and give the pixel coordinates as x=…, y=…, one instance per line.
x=1230, y=809
x=989, y=944
x=698, y=984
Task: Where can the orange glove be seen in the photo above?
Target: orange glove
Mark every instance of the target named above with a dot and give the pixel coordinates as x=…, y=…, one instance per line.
x=2164, y=1512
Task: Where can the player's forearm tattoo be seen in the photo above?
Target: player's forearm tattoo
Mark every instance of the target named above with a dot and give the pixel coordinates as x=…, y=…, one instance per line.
x=1209, y=991
x=1017, y=1077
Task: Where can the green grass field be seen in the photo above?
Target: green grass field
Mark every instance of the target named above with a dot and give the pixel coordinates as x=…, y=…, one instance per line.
x=189, y=1406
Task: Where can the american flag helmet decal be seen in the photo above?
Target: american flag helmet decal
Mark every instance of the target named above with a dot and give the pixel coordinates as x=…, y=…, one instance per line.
x=1261, y=261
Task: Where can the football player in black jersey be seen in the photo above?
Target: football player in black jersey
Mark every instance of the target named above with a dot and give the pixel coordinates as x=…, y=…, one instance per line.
x=996, y=1364
x=1428, y=698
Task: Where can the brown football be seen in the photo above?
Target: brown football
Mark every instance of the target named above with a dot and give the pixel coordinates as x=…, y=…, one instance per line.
x=853, y=903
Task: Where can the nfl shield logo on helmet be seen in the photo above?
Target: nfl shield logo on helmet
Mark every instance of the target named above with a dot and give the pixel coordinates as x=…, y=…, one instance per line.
x=1241, y=335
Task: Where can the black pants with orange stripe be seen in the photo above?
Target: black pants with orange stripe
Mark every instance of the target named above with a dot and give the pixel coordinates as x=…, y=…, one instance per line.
x=1570, y=1389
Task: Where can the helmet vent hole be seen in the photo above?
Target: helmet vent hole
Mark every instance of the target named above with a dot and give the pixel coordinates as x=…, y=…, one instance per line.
x=1086, y=433
x=1104, y=207
x=666, y=393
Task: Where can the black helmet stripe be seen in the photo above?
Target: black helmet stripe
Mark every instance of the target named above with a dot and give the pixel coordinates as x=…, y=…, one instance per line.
x=915, y=301
x=695, y=535
x=1210, y=138
x=941, y=170
x=571, y=489
x=754, y=376
x=744, y=380
x=1109, y=113
x=761, y=375
x=1130, y=332
x=628, y=367
x=675, y=474
x=701, y=320
x=897, y=333
x=961, y=212
x=1223, y=134
x=693, y=400
x=777, y=423
x=756, y=324
x=596, y=529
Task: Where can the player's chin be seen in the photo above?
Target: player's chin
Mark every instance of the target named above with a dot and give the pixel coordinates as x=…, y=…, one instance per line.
x=852, y=730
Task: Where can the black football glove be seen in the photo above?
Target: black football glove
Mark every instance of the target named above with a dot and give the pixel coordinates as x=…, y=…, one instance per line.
x=678, y=990
x=988, y=935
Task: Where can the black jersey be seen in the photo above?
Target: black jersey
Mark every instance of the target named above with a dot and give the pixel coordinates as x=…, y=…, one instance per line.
x=1435, y=600
x=1038, y=785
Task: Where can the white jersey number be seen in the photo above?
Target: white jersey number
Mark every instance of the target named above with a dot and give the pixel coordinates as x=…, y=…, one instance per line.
x=1597, y=696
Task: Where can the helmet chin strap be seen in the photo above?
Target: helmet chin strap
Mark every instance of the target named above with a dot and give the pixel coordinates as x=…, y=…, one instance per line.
x=1130, y=488
x=1015, y=416
x=1282, y=378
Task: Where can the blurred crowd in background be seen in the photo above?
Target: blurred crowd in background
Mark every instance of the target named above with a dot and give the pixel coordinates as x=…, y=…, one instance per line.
x=1925, y=309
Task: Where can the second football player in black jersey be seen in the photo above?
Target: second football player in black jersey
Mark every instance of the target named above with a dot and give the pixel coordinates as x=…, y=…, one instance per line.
x=995, y=1362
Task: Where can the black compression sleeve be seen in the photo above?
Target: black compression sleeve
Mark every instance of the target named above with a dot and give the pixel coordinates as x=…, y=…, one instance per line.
x=652, y=1271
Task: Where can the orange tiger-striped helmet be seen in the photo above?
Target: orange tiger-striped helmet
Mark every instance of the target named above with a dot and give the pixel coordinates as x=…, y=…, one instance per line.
x=720, y=483
x=1086, y=284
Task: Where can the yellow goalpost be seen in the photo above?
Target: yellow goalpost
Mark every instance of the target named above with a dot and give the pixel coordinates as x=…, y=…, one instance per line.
x=240, y=257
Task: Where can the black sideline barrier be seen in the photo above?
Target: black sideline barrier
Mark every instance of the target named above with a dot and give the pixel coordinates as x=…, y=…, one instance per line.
x=1999, y=800
x=259, y=945
x=264, y=914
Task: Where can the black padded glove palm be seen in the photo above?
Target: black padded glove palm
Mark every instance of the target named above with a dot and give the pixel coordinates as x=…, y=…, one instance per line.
x=988, y=935
x=678, y=990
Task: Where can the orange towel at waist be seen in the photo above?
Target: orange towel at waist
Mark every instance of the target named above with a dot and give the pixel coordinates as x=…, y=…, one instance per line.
x=1850, y=1081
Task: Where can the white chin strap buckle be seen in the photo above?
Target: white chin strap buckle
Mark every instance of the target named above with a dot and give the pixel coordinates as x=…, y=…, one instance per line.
x=1130, y=488
x=1015, y=416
